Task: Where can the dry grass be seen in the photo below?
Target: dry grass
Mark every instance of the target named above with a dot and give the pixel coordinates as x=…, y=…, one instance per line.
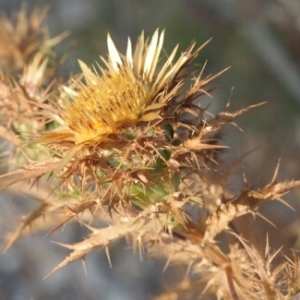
x=129, y=142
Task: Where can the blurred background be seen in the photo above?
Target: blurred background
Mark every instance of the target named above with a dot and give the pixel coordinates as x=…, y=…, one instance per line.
x=260, y=40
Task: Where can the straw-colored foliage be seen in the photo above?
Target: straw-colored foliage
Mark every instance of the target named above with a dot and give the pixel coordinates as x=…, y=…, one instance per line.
x=129, y=141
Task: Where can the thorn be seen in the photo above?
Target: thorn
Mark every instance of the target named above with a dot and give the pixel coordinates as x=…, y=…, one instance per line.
x=84, y=265
x=188, y=270
x=63, y=245
x=167, y=263
x=276, y=172
x=265, y=219
x=267, y=250
x=108, y=256
x=285, y=203
x=141, y=248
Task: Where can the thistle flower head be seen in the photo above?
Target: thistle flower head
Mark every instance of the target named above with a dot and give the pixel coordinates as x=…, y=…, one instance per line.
x=130, y=116
x=127, y=91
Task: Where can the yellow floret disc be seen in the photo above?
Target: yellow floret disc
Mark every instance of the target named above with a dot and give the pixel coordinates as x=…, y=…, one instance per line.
x=105, y=104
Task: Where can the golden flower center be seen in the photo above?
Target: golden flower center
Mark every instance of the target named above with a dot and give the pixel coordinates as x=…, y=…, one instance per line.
x=103, y=105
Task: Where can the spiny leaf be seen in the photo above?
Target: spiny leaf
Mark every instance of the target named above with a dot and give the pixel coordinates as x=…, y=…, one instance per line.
x=28, y=223
x=226, y=117
x=247, y=202
x=103, y=237
x=34, y=170
x=73, y=211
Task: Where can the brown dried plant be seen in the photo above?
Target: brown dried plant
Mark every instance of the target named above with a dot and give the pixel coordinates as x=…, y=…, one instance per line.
x=23, y=36
x=130, y=141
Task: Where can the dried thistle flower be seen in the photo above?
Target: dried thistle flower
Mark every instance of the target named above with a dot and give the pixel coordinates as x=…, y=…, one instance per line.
x=127, y=93
x=22, y=37
x=27, y=68
x=128, y=126
x=25, y=49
